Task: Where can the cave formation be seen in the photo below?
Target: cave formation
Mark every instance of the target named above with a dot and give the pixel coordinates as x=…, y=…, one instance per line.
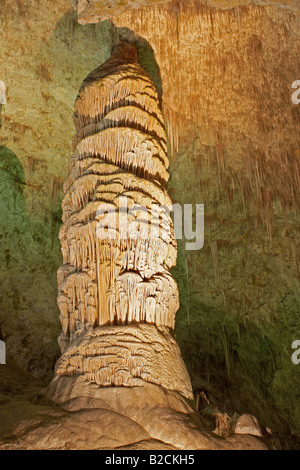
x=116, y=294
x=211, y=88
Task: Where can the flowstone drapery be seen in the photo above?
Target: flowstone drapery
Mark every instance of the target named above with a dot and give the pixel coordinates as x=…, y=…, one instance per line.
x=117, y=298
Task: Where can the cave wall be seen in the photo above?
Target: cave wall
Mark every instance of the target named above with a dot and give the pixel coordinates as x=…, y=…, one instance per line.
x=224, y=76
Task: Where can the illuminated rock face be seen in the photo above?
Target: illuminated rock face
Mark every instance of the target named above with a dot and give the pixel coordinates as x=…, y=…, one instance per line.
x=117, y=237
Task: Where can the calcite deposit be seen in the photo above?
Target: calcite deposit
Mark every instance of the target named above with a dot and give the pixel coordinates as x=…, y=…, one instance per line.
x=117, y=298
x=2, y=93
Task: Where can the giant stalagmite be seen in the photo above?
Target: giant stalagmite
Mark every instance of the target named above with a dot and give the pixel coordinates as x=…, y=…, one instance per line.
x=117, y=298
x=121, y=378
